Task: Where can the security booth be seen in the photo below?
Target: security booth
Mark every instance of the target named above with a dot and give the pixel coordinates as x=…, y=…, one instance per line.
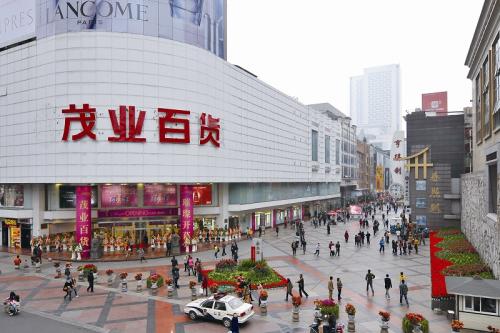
x=477, y=301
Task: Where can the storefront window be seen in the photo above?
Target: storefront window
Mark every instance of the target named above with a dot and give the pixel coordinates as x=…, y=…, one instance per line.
x=113, y=196
x=11, y=195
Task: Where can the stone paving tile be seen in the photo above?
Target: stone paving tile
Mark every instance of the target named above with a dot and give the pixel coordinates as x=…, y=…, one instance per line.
x=135, y=326
x=86, y=301
x=43, y=305
x=85, y=316
x=127, y=311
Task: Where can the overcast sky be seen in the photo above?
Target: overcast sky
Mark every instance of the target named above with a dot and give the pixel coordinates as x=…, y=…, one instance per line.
x=310, y=49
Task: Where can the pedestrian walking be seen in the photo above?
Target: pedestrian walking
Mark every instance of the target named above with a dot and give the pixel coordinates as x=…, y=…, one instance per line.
x=328, y=229
x=331, y=246
x=402, y=277
x=223, y=249
x=277, y=231
x=141, y=254
x=260, y=231
x=175, y=276
x=317, y=250
x=73, y=287
x=369, y=281
x=174, y=261
x=403, y=292
x=337, y=247
x=368, y=238
x=169, y=247
x=68, y=288
x=191, y=266
x=198, y=268
x=330, y=288
x=410, y=246
x=304, y=246
x=346, y=236
x=381, y=243
x=388, y=285
x=289, y=288
x=294, y=248
x=301, y=286
x=204, y=285
x=415, y=244
x=216, y=251
x=90, y=279
x=339, y=289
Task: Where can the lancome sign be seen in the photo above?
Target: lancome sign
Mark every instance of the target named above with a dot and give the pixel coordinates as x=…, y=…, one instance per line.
x=197, y=22
x=17, y=21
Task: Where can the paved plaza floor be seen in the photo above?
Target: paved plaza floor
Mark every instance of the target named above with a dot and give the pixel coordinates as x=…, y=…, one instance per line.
x=110, y=310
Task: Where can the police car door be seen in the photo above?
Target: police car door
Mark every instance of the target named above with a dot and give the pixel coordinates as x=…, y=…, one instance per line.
x=207, y=308
x=220, y=310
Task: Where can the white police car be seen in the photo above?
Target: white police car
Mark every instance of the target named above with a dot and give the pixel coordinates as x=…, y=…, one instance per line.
x=219, y=308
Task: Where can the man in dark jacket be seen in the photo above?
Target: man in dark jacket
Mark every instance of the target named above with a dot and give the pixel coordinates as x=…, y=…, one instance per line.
x=301, y=286
x=90, y=279
x=388, y=285
x=403, y=292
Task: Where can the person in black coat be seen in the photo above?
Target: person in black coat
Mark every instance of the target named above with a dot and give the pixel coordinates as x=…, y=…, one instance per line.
x=235, y=325
x=90, y=279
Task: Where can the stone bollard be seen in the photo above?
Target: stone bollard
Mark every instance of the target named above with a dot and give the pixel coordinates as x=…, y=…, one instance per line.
x=351, y=327
x=263, y=308
x=193, y=294
x=170, y=291
x=124, y=285
x=295, y=314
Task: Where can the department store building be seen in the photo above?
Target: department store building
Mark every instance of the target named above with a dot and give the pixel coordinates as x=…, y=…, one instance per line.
x=125, y=118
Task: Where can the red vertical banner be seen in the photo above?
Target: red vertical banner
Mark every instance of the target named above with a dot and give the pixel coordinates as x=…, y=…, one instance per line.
x=83, y=225
x=253, y=221
x=187, y=218
x=274, y=218
x=290, y=214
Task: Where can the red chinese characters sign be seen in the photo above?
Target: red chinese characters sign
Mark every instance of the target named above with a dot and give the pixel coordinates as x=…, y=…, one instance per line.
x=127, y=125
x=187, y=216
x=83, y=225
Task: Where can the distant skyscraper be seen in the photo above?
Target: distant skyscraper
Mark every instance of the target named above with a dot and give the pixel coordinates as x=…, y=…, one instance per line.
x=376, y=103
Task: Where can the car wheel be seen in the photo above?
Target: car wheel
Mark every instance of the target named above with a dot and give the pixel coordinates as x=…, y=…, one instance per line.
x=193, y=315
x=226, y=322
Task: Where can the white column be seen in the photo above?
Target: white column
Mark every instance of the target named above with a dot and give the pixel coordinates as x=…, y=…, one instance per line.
x=223, y=217
x=38, y=208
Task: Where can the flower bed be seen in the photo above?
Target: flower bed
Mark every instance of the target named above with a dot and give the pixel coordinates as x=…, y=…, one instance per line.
x=453, y=255
x=257, y=273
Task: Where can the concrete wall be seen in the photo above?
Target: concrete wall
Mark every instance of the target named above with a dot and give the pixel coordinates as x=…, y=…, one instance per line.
x=265, y=134
x=480, y=228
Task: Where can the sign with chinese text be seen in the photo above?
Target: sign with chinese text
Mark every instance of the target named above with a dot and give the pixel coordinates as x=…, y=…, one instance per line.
x=118, y=196
x=138, y=212
x=160, y=195
x=10, y=222
x=83, y=225
x=127, y=123
x=398, y=151
x=259, y=250
x=202, y=195
x=187, y=218
x=435, y=102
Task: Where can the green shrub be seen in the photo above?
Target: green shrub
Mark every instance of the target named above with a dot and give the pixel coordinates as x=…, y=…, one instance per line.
x=408, y=327
x=246, y=265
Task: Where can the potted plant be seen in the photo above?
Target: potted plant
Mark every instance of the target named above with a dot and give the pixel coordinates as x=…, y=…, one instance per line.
x=263, y=295
x=192, y=286
x=296, y=302
x=154, y=282
x=80, y=273
x=415, y=323
x=456, y=325
x=214, y=288
x=138, y=278
x=351, y=312
x=123, y=277
x=385, y=317
x=170, y=288
x=109, y=273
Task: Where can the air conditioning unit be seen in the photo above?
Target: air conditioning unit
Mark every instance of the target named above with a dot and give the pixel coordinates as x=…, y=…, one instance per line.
x=327, y=169
x=315, y=167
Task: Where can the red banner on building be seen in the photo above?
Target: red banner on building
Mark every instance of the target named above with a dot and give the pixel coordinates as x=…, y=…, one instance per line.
x=83, y=225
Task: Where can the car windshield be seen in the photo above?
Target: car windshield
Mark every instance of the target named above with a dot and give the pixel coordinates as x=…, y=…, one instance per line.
x=235, y=303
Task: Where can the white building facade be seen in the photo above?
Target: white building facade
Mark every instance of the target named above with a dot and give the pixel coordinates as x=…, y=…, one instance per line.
x=136, y=117
x=375, y=103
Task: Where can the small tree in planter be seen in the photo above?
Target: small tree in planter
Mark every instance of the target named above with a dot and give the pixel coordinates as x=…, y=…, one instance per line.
x=385, y=317
x=263, y=295
x=154, y=282
x=170, y=288
x=456, y=325
x=296, y=302
x=351, y=312
x=109, y=273
x=415, y=323
x=138, y=278
x=123, y=277
x=192, y=286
